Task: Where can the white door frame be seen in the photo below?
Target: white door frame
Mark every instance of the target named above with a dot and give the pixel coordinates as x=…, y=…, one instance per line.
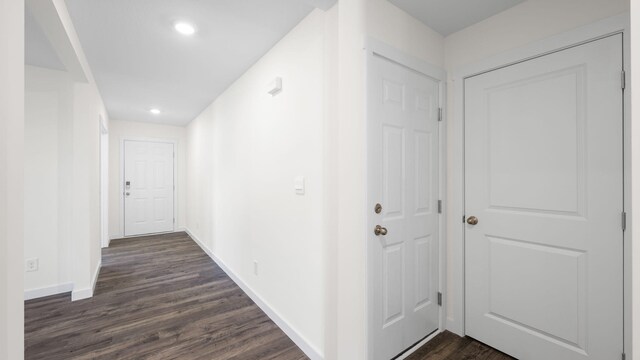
x=378, y=48
x=104, y=182
x=175, y=178
x=596, y=30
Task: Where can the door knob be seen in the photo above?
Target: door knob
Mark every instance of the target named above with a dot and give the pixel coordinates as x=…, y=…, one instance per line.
x=472, y=220
x=379, y=230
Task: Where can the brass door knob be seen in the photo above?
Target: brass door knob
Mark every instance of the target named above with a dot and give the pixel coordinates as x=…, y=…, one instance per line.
x=379, y=230
x=472, y=220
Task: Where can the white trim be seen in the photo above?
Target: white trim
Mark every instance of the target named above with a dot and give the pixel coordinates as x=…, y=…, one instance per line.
x=104, y=182
x=175, y=179
x=278, y=319
x=377, y=48
x=593, y=31
x=48, y=291
x=86, y=293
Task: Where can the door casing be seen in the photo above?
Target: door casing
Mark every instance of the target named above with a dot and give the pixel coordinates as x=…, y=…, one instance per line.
x=618, y=24
x=175, y=178
x=377, y=48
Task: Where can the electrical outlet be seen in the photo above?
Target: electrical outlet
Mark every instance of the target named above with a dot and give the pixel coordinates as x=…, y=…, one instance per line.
x=255, y=268
x=32, y=264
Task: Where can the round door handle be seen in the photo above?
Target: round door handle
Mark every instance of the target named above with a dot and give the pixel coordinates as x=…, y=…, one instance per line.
x=379, y=230
x=472, y=220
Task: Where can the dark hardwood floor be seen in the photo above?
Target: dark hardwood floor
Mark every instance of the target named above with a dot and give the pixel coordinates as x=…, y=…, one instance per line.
x=447, y=345
x=162, y=297
x=157, y=297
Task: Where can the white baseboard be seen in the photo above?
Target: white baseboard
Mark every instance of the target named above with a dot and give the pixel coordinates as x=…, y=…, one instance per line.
x=298, y=339
x=86, y=293
x=48, y=291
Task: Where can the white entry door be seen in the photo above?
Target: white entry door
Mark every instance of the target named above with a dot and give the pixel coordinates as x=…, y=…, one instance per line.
x=544, y=181
x=403, y=180
x=148, y=187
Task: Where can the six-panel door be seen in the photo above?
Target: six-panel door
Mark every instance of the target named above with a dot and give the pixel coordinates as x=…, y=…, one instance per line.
x=148, y=187
x=403, y=179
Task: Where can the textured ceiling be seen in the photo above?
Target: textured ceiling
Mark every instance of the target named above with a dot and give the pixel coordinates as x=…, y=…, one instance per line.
x=449, y=16
x=37, y=48
x=140, y=62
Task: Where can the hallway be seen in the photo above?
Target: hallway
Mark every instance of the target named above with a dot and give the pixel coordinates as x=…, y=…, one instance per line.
x=157, y=297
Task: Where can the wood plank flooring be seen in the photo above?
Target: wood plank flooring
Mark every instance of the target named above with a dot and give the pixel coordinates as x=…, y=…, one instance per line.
x=161, y=297
x=448, y=345
x=157, y=297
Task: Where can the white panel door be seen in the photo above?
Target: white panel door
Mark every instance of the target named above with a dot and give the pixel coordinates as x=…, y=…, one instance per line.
x=148, y=187
x=544, y=179
x=403, y=179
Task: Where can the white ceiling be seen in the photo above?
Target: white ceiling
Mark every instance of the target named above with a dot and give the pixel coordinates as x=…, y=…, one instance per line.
x=37, y=48
x=140, y=62
x=449, y=16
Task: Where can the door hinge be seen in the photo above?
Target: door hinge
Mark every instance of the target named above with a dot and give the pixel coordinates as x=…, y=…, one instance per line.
x=439, y=206
x=624, y=221
x=623, y=79
x=439, y=114
x=439, y=299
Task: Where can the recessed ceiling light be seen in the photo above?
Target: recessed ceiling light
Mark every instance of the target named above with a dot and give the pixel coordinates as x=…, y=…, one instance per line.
x=184, y=28
x=155, y=111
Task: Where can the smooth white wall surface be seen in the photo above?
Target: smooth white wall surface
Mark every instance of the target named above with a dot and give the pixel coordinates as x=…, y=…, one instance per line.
x=331, y=217
x=350, y=297
x=525, y=23
x=88, y=108
x=635, y=175
x=119, y=130
x=47, y=177
x=11, y=179
x=391, y=25
x=79, y=149
x=244, y=152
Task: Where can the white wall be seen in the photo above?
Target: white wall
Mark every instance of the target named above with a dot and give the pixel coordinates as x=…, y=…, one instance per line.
x=88, y=108
x=11, y=176
x=527, y=22
x=244, y=152
x=391, y=25
x=119, y=130
x=349, y=258
x=61, y=208
x=78, y=165
x=47, y=165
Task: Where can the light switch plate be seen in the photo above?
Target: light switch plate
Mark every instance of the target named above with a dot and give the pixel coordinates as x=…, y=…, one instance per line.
x=298, y=185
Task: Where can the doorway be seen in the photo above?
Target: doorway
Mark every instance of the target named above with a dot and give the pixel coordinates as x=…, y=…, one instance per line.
x=148, y=187
x=404, y=207
x=544, y=212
